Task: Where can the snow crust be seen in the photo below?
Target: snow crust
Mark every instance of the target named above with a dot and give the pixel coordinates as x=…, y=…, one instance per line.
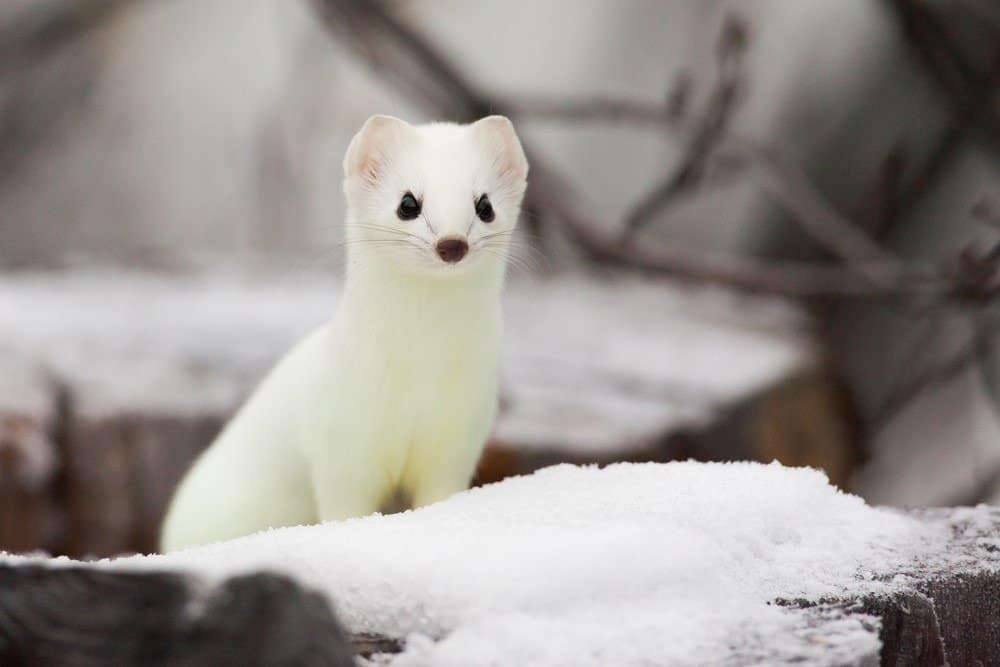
x=632, y=564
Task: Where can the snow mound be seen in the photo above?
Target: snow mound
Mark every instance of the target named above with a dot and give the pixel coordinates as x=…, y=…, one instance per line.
x=632, y=564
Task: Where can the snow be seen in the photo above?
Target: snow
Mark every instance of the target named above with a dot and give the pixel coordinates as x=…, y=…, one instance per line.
x=588, y=364
x=632, y=564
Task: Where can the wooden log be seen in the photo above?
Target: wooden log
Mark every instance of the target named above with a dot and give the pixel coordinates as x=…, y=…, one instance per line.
x=83, y=617
x=947, y=611
x=29, y=460
x=126, y=451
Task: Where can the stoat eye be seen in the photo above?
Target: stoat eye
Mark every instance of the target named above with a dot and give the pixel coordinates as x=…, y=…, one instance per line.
x=409, y=207
x=484, y=209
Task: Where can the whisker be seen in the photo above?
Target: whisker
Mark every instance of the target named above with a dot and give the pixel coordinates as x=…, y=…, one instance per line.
x=380, y=228
x=519, y=264
x=390, y=230
x=522, y=251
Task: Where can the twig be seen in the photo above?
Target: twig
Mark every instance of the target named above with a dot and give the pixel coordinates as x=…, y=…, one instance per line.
x=711, y=140
x=987, y=211
x=710, y=130
x=784, y=278
x=971, y=87
x=881, y=203
x=985, y=489
x=817, y=217
x=419, y=69
x=597, y=109
x=965, y=358
x=940, y=156
x=36, y=33
x=402, y=55
x=866, y=270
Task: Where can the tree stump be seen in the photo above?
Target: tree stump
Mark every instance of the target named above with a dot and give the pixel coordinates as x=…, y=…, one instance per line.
x=146, y=369
x=29, y=460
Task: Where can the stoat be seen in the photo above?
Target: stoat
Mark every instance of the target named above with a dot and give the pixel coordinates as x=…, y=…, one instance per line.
x=390, y=404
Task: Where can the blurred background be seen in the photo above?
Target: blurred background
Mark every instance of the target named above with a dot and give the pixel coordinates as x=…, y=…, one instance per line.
x=762, y=229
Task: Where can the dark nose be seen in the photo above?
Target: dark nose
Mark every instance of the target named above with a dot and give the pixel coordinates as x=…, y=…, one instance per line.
x=452, y=250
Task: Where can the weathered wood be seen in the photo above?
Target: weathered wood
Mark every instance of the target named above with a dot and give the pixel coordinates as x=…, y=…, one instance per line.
x=947, y=611
x=367, y=645
x=910, y=632
x=126, y=453
x=121, y=471
x=98, y=487
x=804, y=419
x=947, y=614
x=968, y=609
x=84, y=617
x=29, y=460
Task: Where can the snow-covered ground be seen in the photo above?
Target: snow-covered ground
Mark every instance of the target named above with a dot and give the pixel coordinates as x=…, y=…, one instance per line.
x=633, y=564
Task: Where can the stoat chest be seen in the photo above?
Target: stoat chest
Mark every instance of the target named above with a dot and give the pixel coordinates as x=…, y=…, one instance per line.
x=420, y=371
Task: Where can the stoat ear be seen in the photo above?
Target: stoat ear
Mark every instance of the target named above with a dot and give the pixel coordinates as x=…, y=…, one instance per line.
x=373, y=145
x=498, y=136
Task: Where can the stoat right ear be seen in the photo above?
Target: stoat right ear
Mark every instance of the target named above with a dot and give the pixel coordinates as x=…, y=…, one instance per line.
x=499, y=138
x=372, y=146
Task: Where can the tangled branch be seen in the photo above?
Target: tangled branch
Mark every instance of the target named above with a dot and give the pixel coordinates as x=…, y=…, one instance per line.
x=864, y=268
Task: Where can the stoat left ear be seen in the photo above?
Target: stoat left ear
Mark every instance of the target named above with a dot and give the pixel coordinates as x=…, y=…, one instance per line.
x=372, y=147
x=498, y=136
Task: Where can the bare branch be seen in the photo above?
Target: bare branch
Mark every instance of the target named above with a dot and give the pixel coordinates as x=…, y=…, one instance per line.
x=969, y=81
x=711, y=140
x=406, y=58
x=419, y=69
x=597, y=109
x=866, y=270
x=710, y=130
x=427, y=76
x=817, y=217
x=35, y=33
x=987, y=211
x=962, y=360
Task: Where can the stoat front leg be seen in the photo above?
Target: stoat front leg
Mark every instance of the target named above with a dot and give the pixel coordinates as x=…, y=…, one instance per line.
x=439, y=487
x=347, y=486
x=451, y=469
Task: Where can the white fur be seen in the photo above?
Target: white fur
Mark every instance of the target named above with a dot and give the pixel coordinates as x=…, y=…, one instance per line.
x=397, y=395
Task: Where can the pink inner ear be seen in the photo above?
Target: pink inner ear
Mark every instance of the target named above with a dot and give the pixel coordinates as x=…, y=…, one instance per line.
x=368, y=157
x=509, y=161
x=508, y=170
x=369, y=168
x=372, y=161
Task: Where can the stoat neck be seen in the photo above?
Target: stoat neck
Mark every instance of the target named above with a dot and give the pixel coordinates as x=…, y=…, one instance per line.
x=382, y=300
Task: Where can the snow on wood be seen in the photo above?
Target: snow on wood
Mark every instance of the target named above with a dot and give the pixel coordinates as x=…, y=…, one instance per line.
x=607, y=361
x=635, y=564
x=592, y=370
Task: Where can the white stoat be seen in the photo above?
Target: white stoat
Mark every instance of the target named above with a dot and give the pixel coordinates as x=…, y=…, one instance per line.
x=392, y=401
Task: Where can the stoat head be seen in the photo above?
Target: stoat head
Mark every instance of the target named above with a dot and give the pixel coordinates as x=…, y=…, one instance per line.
x=436, y=199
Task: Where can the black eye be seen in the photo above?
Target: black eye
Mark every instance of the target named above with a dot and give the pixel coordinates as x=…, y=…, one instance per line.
x=484, y=209
x=409, y=207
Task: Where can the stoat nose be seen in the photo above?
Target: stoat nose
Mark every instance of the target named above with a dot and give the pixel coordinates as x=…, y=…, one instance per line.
x=452, y=250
